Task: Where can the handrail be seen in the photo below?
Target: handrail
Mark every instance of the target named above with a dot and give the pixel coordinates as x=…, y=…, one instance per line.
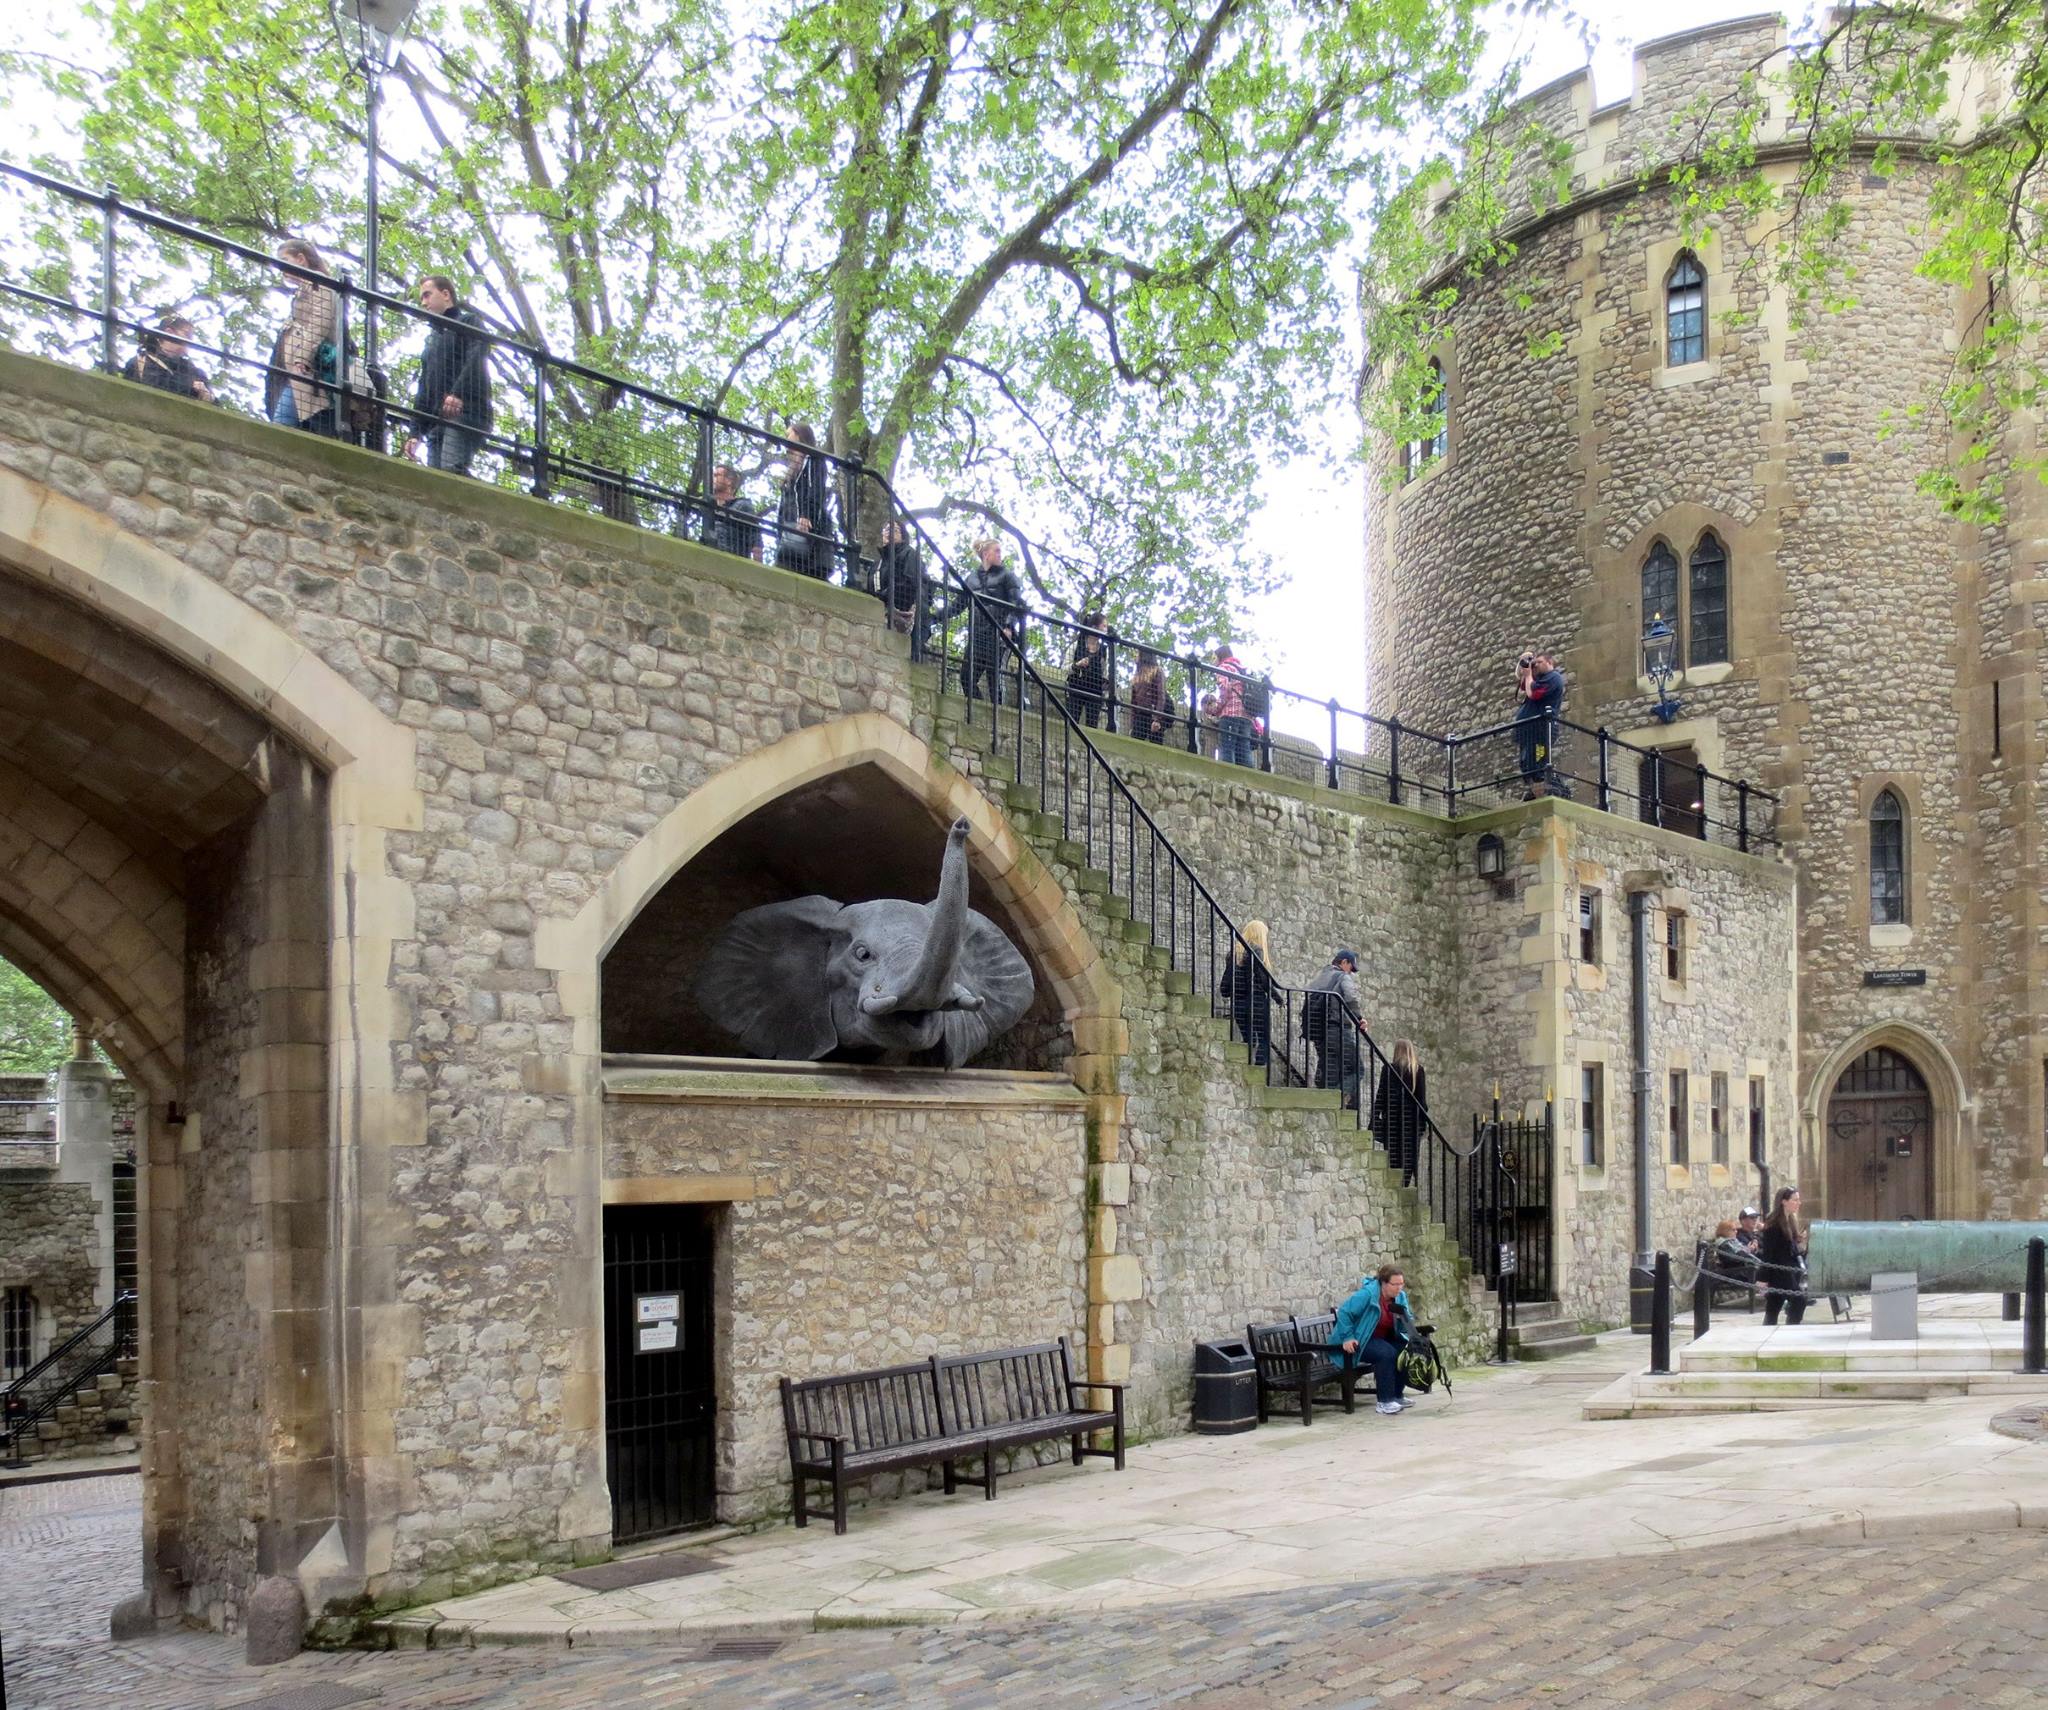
x=37, y=1393
x=619, y=489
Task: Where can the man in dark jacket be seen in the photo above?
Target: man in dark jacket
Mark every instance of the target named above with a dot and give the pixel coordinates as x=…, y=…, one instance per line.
x=1000, y=609
x=1327, y=1023
x=452, y=401
x=162, y=361
x=730, y=523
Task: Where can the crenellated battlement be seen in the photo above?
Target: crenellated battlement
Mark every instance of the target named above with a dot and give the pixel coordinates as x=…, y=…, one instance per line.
x=1676, y=84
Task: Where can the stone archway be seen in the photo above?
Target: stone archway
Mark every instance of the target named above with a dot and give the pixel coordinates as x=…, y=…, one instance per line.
x=1875, y=1088
x=288, y=1117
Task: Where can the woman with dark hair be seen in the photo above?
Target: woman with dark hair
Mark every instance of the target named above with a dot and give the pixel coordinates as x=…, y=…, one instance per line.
x=1247, y=986
x=1781, y=1259
x=1147, y=698
x=803, y=519
x=1400, y=1108
x=898, y=571
x=163, y=363
x=1371, y=1328
x=308, y=349
x=1086, y=671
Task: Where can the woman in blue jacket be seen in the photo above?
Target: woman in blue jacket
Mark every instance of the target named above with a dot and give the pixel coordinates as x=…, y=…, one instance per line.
x=1371, y=1327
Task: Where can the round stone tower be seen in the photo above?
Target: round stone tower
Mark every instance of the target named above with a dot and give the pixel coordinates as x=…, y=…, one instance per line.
x=1689, y=454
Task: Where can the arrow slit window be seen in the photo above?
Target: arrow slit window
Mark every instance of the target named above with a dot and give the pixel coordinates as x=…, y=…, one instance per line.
x=1888, y=860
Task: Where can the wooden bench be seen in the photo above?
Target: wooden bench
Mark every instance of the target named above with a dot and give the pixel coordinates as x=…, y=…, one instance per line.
x=939, y=1412
x=1295, y=1359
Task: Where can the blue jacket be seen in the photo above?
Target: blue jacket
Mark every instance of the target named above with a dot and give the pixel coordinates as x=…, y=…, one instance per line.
x=1357, y=1317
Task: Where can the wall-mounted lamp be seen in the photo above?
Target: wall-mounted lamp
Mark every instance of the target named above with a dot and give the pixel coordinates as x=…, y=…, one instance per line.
x=1493, y=858
x=1660, y=665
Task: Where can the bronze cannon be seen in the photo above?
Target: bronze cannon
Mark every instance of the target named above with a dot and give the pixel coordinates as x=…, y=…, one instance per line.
x=1949, y=1257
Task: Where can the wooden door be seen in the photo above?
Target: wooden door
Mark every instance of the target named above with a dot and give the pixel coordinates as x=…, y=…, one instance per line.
x=1880, y=1141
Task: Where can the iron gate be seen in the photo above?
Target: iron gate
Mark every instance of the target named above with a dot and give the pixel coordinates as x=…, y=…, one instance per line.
x=660, y=1395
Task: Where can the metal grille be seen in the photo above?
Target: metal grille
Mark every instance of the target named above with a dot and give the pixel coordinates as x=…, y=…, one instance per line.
x=125, y=1267
x=1879, y=1073
x=660, y=1394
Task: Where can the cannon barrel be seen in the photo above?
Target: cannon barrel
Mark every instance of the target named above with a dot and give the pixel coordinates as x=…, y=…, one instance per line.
x=1951, y=1258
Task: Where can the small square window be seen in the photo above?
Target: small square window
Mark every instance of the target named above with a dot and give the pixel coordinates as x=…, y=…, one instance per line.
x=1593, y=1115
x=1589, y=926
x=1717, y=1117
x=1681, y=1119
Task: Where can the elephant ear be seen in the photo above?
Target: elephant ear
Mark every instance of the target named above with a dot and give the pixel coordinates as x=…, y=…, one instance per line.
x=994, y=970
x=765, y=979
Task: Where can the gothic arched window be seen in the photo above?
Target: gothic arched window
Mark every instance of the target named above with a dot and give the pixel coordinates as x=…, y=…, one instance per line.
x=1707, y=626
x=1887, y=860
x=1660, y=586
x=1440, y=441
x=1685, y=311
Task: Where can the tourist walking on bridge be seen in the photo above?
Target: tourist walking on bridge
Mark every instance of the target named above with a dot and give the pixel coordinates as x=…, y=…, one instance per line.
x=803, y=518
x=1233, y=721
x=1371, y=1329
x=308, y=349
x=1781, y=1255
x=162, y=362
x=1147, y=698
x=451, y=405
x=994, y=603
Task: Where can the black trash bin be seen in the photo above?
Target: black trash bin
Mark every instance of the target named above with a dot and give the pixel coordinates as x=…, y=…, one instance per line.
x=1642, y=1296
x=1226, y=1388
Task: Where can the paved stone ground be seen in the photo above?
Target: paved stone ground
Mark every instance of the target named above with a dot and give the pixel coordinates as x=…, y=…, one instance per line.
x=1934, y=1622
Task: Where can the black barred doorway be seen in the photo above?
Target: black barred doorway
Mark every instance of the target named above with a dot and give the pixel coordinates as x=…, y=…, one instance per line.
x=660, y=1394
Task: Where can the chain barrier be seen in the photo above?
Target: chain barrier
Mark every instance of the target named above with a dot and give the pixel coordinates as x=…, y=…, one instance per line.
x=1921, y=1283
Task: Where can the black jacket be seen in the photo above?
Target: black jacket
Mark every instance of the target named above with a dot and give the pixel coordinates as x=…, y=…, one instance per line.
x=1000, y=589
x=1327, y=1019
x=898, y=570
x=1249, y=987
x=456, y=363
x=1780, y=1262
x=174, y=374
x=1398, y=1109
x=806, y=496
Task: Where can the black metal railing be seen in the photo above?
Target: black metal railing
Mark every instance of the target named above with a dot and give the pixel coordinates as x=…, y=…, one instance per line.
x=583, y=437
x=76, y=1361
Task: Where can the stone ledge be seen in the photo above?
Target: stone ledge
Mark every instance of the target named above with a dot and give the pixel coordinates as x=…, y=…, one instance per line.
x=724, y=1081
x=122, y=401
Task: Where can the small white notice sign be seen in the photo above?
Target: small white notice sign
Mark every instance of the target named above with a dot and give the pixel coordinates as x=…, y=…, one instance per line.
x=654, y=1308
x=658, y=1338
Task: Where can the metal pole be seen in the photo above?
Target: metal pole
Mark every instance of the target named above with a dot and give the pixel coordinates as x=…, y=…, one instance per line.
x=1742, y=815
x=1702, y=1304
x=1660, y=1316
x=540, y=426
x=1639, y=1051
x=109, y=284
x=2034, y=1333
x=375, y=279
x=1394, y=761
x=1606, y=776
x=1333, y=742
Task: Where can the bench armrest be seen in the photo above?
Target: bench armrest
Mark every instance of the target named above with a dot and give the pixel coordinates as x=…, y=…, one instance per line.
x=1093, y=1383
x=826, y=1437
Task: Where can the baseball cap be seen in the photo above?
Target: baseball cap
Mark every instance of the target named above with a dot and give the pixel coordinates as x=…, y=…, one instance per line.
x=1350, y=956
x=1751, y=1211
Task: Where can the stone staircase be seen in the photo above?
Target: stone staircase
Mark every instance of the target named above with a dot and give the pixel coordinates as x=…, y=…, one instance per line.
x=98, y=1418
x=1542, y=1332
x=1147, y=968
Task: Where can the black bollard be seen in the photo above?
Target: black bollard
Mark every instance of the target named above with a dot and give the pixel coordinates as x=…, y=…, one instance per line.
x=1702, y=1303
x=1660, y=1316
x=2009, y=1308
x=2034, y=1333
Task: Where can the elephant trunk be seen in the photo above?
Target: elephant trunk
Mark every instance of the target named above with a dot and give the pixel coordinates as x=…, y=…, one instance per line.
x=930, y=985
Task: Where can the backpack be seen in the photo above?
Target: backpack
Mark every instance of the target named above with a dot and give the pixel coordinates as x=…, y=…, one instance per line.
x=1420, y=1365
x=1257, y=701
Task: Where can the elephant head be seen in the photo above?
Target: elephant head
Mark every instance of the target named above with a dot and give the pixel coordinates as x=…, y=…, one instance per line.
x=805, y=978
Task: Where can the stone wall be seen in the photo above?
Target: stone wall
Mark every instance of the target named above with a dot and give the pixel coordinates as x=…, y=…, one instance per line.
x=1874, y=641
x=874, y=1218
x=49, y=1242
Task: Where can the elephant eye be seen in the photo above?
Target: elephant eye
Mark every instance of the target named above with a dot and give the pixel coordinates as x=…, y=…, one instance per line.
x=861, y=953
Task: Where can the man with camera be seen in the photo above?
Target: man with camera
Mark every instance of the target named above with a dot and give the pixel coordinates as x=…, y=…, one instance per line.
x=1539, y=693
x=162, y=361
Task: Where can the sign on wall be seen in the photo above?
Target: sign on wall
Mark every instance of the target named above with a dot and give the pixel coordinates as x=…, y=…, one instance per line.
x=658, y=1320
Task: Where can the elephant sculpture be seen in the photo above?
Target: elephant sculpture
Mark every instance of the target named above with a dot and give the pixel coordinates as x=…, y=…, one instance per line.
x=931, y=982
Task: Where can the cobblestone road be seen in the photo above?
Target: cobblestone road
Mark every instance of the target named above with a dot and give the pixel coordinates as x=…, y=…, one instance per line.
x=1935, y=1622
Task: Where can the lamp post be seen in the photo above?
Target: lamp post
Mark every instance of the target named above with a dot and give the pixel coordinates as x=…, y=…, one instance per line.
x=369, y=32
x=1660, y=660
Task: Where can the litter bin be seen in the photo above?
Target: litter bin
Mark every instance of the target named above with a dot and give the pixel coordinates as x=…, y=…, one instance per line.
x=1226, y=1388
x=1642, y=1295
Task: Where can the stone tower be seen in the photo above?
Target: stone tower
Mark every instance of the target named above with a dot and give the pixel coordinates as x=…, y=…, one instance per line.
x=1841, y=643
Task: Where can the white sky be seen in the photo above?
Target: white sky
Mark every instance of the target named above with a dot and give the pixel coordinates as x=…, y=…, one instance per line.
x=1311, y=633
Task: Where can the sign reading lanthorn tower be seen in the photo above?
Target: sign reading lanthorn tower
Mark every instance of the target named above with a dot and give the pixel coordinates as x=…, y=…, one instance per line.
x=1895, y=976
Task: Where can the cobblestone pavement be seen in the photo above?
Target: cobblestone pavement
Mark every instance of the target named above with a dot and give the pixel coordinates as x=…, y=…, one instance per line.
x=1933, y=1622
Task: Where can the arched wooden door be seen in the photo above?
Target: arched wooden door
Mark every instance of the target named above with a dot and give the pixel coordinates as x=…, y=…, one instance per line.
x=1880, y=1140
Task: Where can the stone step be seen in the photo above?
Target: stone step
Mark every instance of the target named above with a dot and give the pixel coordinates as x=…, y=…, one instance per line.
x=1552, y=1348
